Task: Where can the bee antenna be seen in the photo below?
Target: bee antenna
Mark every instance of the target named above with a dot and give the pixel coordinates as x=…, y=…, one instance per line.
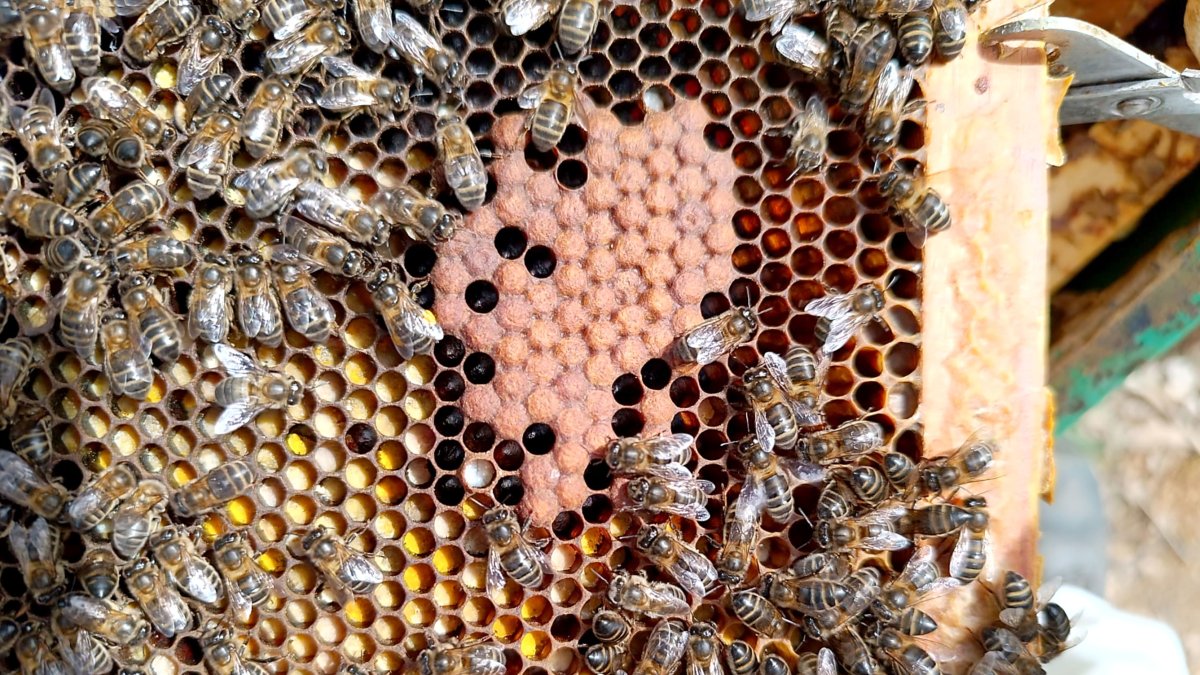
x=892, y=282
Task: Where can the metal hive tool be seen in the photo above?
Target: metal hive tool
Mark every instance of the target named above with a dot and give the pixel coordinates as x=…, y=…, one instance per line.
x=378, y=444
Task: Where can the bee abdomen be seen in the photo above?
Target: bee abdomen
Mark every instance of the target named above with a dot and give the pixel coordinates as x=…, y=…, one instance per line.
x=933, y=212
x=549, y=123
x=203, y=184
x=780, y=503
x=82, y=36
x=524, y=569
x=787, y=432
x=471, y=193
x=163, y=334
x=576, y=24
x=231, y=390
x=916, y=37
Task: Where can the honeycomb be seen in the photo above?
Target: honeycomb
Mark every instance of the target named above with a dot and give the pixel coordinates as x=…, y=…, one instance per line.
x=382, y=447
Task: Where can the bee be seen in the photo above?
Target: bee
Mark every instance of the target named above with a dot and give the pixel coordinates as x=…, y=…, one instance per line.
x=803, y=595
x=129, y=207
x=156, y=324
x=223, y=656
x=709, y=340
x=841, y=315
x=20, y=484
x=949, y=27
x=98, y=573
x=804, y=49
x=164, y=23
x=207, y=97
x=246, y=585
x=249, y=389
x=111, y=101
x=937, y=520
x=155, y=252
x=664, y=649
x=800, y=375
x=347, y=570
x=286, y=18
x=258, y=311
x=77, y=185
x=1054, y=632
x=759, y=614
x=663, y=547
x=739, y=539
x=36, y=653
x=16, y=360
x=863, y=586
x=577, y=24
x=82, y=34
x=329, y=252
x=241, y=14
x=42, y=22
x=38, y=550
x=703, y=650
x=99, y=138
x=809, y=129
x=675, y=496
x=79, y=316
x=475, y=657
x=187, y=571
x=972, y=459
x=208, y=155
x=39, y=217
x=821, y=663
x=895, y=604
x=662, y=456
x=339, y=213
x=778, y=419
x=100, y=497
x=850, y=440
x=916, y=37
x=299, y=53
x=853, y=653
x=10, y=630
x=307, y=309
x=820, y=564
x=413, y=329
x=10, y=176
x=138, y=517
x=609, y=626
x=655, y=599
x=201, y=57
x=882, y=124
x=373, y=18
x=262, y=120
x=41, y=134
x=874, y=531
x=607, y=659
x=222, y=484
x=81, y=652
x=741, y=658
x=30, y=438
x=422, y=217
x=1006, y=654
x=766, y=484
x=269, y=186
x=553, y=104
x=425, y=54
x=905, y=654
x=918, y=206
x=1023, y=613
x=901, y=472
x=461, y=160
x=522, y=16
x=871, y=48
x=870, y=9
x=777, y=13
x=159, y=600
x=351, y=89
x=209, y=307
x=511, y=552
x=126, y=356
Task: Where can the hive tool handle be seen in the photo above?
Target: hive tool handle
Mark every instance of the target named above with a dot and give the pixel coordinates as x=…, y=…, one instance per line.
x=1113, y=79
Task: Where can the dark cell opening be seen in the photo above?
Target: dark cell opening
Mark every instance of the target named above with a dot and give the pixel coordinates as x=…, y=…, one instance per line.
x=567, y=525
x=449, y=490
x=597, y=509
x=450, y=351
x=628, y=422
x=361, y=438
x=448, y=420
x=656, y=374
x=449, y=385
x=597, y=475
x=572, y=174
x=685, y=392
x=538, y=438
x=419, y=260
x=540, y=261
x=448, y=454
x=479, y=368
x=189, y=651
x=509, y=456
x=479, y=437
x=482, y=296
x=68, y=474
x=509, y=491
x=540, y=160
x=511, y=242
x=627, y=389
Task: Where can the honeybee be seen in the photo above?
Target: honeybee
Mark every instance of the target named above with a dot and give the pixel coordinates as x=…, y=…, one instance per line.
x=809, y=129
x=36, y=653
x=20, y=484
x=972, y=459
x=155, y=252
x=422, y=217
x=895, y=604
x=426, y=54
x=835, y=501
x=126, y=356
x=664, y=649
x=853, y=653
x=915, y=34
x=874, y=531
x=329, y=252
x=345, y=569
x=479, y=656
x=224, y=483
x=262, y=120
x=246, y=585
x=609, y=626
x=373, y=18
x=258, y=311
x=138, y=517
x=208, y=155
x=663, y=456
x=803, y=595
x=663, y=547
x=709, y=340
x=784, y=395
x=871, y=48
x=918, y=206
x=270, y=185
x=189, y=572
x=249, y=389
x=655, y=599
x=104, y=619
x=38, y=550
x=767, y=485
x=339, y=213
x=577, y=24
x=841, y=315
x=156, y=324
x=63, y=254
x=1006, y=654
x=937, y=520
x=159, y=600
x=882, y=124
x=98, y=573
x=703, y=650
x=30, y=437
x=307, y=310
x=299, y=53
x=739, y=538
x=285, y=18
x=522, y=16
x=869, y=9
x=202, y=55
x=164, y=23
x=777, y=13
x=413, y=329
x=460, y=159
x=901, y=472
x=16, y=360
x=553, y=103
x=241, y=14
x=207, y=97
x=607, y=659
x=225, y=657
x=511, y=552
x=99, y=138
x=741, y=658
x=675, y=496
x=100, y=497
x=821, y=663
x=759, y=614
x=1036, y=621
x=82, y=652
x=10, y=630
x=39, y=217
x=129, y=207
x=949, y=27
x=77, y=185
x=863, y=586
x=42, y=21
x=350, y=89
x=111, y=101
x=40, y=133
x=79, y=317
x=905, y=654
x=10, y=177
x=804, y=49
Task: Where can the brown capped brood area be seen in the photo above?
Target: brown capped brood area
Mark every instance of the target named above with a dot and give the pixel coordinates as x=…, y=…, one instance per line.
x=381, y=450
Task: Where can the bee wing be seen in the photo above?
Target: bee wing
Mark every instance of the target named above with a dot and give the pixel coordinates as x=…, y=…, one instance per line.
x=345, y=98
x=532, y=96
x=863, y=437
x=1046, y=591
x=79, y=507
x=337, y=66
x=891, y=90
x=1013, y=616
x=258, y=314
x=803, y=47
x=806, y=415
x=43, y=540
x=884, y=516
x=412, y=40
x=761, y=11
x=673, y=470
x=764, y=431
x=358, y=568
x=777, y=367
x=195, y=64
x=208, y=316
x=951, y=17
x=826, y=664
x=236, y=416
x=842, y=329
x=522, y=16
x=752, y=499
x=199, y=580
x=993, y=663
x=235, y=362
x=203, y=152
x=18, y=543
x=924, y=555
x=668, y=600
x=671, y=447
x=803, y=471
x=887, y=541
x=239, y=605
x=132, y=7
x=417, y=322
x=829, y=307
x=709, y=340
x=374, y=20
x=495, y=572
x=16, y=477
x=296, y=22
x=697, y=568
x=290, y=55
x=713, y=667
x=109, y=100
x=167, y=611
